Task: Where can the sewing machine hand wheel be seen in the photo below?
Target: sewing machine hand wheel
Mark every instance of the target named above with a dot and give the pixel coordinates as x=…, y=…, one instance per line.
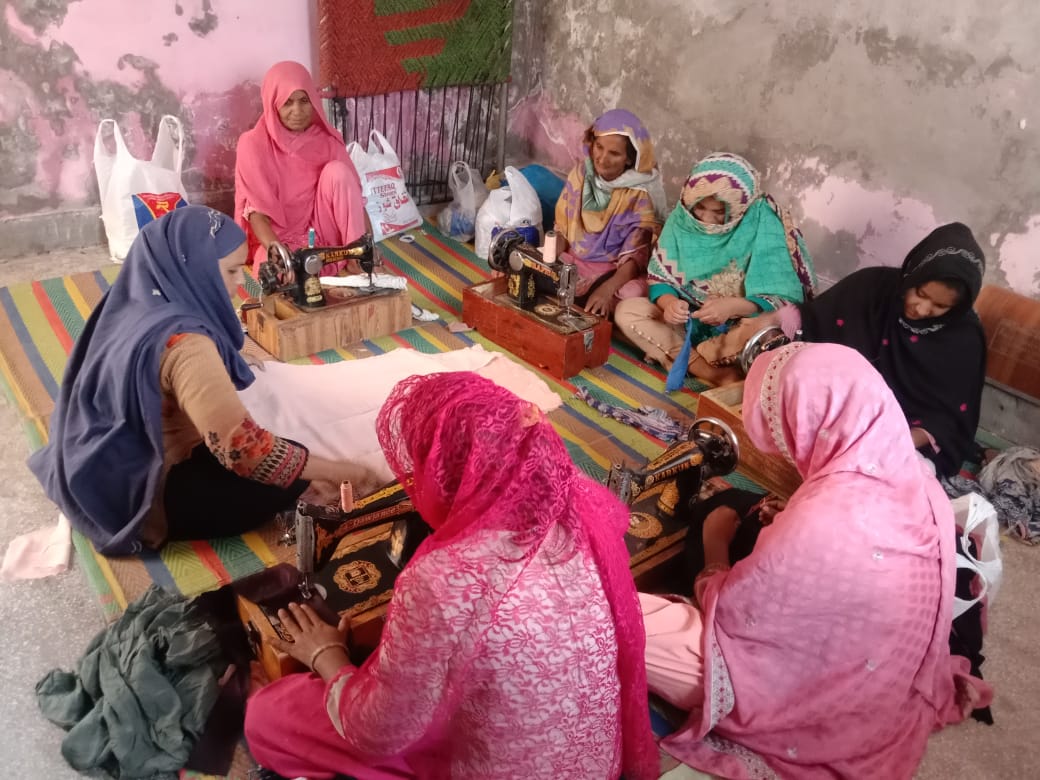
x=763, y=341
x=718, y=443
x=277, y=272
x=502, y=246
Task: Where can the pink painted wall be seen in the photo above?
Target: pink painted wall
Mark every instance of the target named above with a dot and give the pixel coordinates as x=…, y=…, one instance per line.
x=66, y=65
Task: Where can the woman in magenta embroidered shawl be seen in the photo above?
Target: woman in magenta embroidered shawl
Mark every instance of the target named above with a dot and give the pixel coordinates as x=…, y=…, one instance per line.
x=513, y=646
x=293, y=173
x=825, y=653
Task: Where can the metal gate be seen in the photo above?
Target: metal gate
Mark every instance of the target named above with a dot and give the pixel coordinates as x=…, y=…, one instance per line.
x=429, y=129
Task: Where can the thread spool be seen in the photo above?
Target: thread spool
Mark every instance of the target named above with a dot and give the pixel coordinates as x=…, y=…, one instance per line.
x=549, y=249
x=346, y=497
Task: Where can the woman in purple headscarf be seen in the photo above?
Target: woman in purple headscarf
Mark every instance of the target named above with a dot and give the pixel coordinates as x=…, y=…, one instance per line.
x=610, y=212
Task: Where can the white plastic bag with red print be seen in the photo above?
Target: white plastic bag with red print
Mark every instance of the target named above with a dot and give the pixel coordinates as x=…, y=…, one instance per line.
x=134, y=192
x=390, y=208
x=977, y=522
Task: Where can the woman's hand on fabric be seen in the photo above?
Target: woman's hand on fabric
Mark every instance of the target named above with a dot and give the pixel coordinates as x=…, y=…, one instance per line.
x=716, y=311
x=675, y=311
x=601, y=301
x=313, y=640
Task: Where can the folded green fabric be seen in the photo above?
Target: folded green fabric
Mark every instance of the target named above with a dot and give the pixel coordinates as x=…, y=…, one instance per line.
x=142, y=691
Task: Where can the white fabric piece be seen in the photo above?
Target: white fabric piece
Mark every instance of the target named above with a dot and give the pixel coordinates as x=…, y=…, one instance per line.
x=331, y=409
x=40, y=553
x=425, y=315
x=386, y=281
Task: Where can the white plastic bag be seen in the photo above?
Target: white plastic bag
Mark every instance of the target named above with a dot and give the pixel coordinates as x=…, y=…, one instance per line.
x=390, y=208
x=513, y=207
x=134, y=192
x=458, y=219
x=493, y=213
x=976, y=518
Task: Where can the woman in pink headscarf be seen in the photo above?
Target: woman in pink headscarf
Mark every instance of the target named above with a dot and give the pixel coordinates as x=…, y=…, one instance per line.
x=825, y=652
x=513, y=646
x=292, y=171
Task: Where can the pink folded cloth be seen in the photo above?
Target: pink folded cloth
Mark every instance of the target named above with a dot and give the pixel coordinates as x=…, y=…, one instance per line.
x=40, y=553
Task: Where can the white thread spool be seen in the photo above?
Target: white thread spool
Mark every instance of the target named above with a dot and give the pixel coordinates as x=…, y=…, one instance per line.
x=549, y=249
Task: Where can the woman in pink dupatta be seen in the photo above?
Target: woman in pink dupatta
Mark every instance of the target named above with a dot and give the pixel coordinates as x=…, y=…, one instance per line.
x=293, y=173
x=825, y=653
x=513, y=646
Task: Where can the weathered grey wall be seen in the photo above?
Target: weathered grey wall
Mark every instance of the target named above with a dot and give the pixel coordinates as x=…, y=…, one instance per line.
x=874, y=120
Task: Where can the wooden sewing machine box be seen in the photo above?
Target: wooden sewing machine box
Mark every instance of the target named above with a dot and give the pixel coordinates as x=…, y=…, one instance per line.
x=772, y=472
x=288, y=332
x=531, y=336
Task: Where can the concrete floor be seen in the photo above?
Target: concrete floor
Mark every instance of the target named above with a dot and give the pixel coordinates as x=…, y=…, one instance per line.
x=48, y=623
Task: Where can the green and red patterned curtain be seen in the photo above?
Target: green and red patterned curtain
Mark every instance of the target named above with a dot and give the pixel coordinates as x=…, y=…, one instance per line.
x=374, y=47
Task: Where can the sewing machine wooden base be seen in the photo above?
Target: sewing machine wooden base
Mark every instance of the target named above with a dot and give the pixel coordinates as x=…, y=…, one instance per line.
x=536, y=339
x=771, y=471
x=288, y=332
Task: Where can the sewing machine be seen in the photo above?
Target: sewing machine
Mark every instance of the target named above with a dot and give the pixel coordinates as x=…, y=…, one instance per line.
x=528, y=272
x=298, y=273
x=660, y=493
x=531, y=311
x=296, y=315
x=709, y=449
x=346, y=565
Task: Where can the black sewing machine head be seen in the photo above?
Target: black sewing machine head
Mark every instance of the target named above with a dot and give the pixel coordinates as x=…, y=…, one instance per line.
x=298, y=273
x=709, y=449
x=529, y=272
x=319, y=533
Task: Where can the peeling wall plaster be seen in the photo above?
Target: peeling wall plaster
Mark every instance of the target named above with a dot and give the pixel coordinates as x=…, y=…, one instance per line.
x=874, y=121
x=64, y=65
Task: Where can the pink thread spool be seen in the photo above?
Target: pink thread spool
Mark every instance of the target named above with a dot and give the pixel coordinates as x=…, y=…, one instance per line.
x=346, y=497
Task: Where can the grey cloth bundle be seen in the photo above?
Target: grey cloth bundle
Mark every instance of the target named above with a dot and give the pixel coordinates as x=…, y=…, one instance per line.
x=1011, y=482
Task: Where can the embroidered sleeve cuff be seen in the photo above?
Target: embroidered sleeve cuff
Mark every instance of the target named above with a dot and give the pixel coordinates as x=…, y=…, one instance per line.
x=768, y=302
x=283, y=464
x=255, y=453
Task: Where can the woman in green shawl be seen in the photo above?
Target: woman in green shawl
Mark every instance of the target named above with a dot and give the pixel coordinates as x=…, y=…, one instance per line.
x=726, y=252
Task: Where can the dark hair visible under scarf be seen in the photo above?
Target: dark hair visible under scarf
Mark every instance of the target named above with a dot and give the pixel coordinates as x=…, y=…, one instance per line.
x=103, y=463
x=935, y=367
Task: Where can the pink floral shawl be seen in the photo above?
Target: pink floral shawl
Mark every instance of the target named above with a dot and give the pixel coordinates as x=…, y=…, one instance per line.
x=826, y=650
x=516, y=526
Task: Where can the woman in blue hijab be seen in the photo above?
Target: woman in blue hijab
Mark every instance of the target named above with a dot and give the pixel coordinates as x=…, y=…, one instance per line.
x=149, y=440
